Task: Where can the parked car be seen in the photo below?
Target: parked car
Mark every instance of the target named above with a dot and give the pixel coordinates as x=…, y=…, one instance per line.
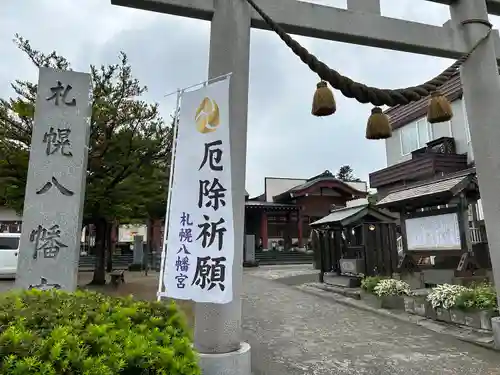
x=9, y=250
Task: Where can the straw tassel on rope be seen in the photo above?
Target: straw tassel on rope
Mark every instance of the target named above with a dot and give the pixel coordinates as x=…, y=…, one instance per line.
x=439, y=109
x=323, y=100
x=378, y=126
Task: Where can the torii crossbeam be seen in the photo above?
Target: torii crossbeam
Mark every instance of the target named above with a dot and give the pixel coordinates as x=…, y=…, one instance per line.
x=355, y=25
x=218, y=327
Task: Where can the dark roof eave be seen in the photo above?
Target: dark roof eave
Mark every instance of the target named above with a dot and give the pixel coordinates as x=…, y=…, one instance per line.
x=295, y=192
x=270, y=205
x=401, y=115
x=439, y=197
x=358, y=212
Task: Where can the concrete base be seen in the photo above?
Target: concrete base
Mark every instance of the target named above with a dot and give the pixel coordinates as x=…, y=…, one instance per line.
x=342, y=281
x=495, y=325
x=234, y=363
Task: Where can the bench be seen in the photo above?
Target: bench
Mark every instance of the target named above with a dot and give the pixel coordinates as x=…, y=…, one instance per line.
x=117, y=277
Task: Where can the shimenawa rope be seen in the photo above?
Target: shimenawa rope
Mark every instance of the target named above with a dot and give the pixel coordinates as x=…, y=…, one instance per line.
x=359, y=91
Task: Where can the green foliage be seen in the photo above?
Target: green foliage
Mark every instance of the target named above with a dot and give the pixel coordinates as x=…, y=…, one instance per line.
x=369, y=283
x=129, y=148
x=346, y=173
x=372, y=198
x=54, y=332
x=482, y=297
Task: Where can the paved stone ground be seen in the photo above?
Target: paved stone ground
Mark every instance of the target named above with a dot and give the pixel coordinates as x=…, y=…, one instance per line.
x=295, y=333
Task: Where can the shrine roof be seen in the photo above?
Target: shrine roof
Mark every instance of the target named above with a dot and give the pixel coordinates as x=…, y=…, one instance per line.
x=436, y=191
x=348, y=215
x=325, y=177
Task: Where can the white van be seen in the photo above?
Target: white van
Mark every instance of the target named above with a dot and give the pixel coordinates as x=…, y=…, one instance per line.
x=9, y=250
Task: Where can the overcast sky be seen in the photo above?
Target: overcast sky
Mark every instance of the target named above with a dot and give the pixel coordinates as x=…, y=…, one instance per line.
x=168, y=52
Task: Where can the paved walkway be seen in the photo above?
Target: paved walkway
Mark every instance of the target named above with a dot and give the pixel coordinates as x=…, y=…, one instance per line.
x=295, y=333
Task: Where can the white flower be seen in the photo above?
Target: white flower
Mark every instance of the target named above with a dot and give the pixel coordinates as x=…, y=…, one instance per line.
x=445, y=295
x=392, y=287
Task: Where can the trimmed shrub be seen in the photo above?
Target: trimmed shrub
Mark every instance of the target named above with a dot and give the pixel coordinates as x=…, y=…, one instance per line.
x=369, y=283
x=59, y=333
x=481, y=297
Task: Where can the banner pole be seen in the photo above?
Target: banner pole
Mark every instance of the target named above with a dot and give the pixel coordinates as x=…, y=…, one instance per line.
x=204, y=83
x=169, y=197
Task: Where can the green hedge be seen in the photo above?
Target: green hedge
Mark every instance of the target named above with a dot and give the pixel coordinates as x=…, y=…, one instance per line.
x=369, y=283
x=58, y=333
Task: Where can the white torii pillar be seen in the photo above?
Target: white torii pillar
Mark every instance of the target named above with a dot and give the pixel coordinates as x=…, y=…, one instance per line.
x=218, y=327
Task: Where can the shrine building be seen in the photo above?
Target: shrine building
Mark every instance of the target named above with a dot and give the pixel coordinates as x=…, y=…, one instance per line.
x=280, y=217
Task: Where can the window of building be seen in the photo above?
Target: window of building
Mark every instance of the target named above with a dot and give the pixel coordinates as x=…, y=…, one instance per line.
x=441, y=129
x=415, y=136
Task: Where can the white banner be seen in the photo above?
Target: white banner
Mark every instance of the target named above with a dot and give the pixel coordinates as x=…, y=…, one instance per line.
x=200, y=243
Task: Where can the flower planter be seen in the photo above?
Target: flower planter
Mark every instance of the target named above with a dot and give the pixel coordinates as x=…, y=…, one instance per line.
x=384, y=302
x=409, y=304
x=443, y=315
x=457, y=316
x=479, y=318
x=393, y=302
x=371, y=299
x=423, y=308
x=473, y=318
x=485, y=316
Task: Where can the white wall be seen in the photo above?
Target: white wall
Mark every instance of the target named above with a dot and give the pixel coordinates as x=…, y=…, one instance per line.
x=275, y=186
x=458, y=129
x=359, y=185
x=356, y=202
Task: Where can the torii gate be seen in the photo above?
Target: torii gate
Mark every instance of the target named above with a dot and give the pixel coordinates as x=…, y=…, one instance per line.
x=218, y=327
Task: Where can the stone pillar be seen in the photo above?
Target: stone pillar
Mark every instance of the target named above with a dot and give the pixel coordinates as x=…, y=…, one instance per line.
x=55, y=188
x=250, y=248
x=481, y=87
x=217, y=331
x=138, y=249
x=263, y=230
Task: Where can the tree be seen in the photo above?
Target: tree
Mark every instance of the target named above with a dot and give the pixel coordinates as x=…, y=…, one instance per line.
x=129, y=147
x=346, y=174
x=372, y=198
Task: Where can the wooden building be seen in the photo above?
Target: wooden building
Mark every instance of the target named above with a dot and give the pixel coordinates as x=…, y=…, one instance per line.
x=354, y=242
x=280, y=217
x=436, y=230
x=430, y=170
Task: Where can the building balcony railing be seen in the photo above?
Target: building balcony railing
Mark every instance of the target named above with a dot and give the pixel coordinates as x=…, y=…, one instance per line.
x=438, y=157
